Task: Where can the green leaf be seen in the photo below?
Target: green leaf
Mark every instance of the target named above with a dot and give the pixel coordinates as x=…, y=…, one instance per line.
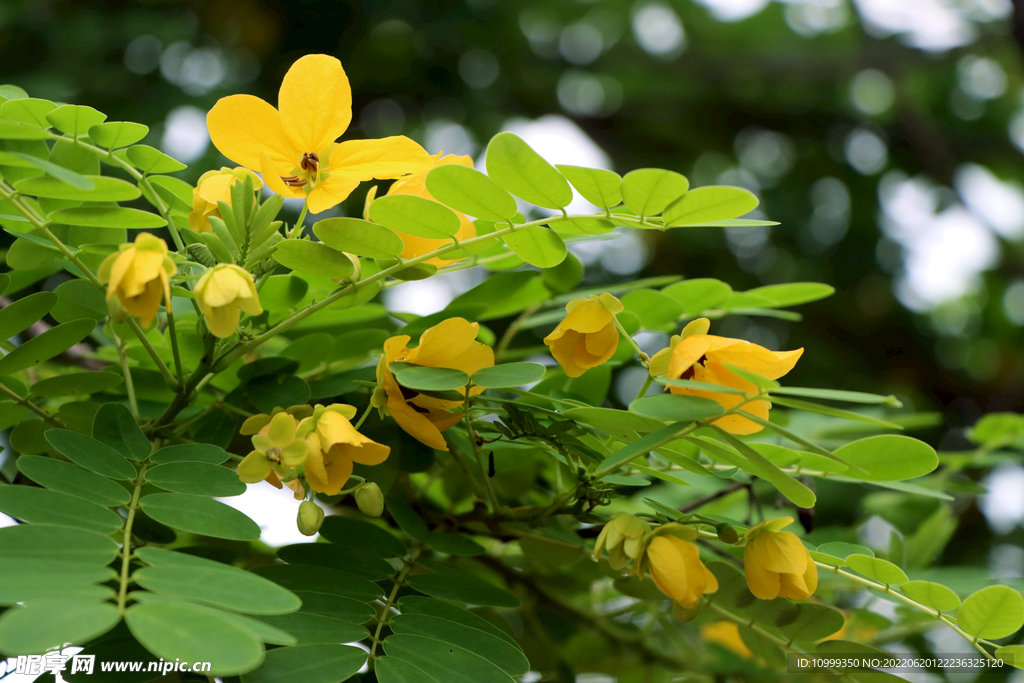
x=443, y=661
x=931, y=594
x=993, y=612
x=209, y=637
x=79, y=299
x=314, y=258
x=710, y=203
x=361, y=534
x=348, y=559
x=877, y=569
x=699, y=295
x=73, y=480
x=516, y=167
x=200, y=515
x=197, y=478
x=656, y=310
x=43, y=624
x=462, y=586
x=58, y=172
x=76, y=384
x=414, y=215
x=18, y=315
x=42, y=506
x=581, y=226
x=300, y=577
x=1012, y=655
x=335, y=606
x=647, y=191
x=75, y=120
x=104, y=189
x=391, y=670
x=220, y=585
x=176, y=192
x=30, y=111
x=792, y=489
x=498, y=651
x=12, y=92
x=91, y=454
x=888, y=457
x=596, y=185
x=21, y=588
x=359, y=237
x=619, y=423
x=793, y=293
x=116, y=134
x=470, y=191
x=832, y=412
x=698, y=386
x=538, y=246
x=12, y=130
x=509, y=375
x=22, y=568
x=835, y=553
x=191, y=452
x=642, y=446
x=453, y=544
x=423, y=378
x=564, y=277
x=321, y=663
x=151, y=160
x=115, y=426
x=108, y=217
x=315, y=629
x=835, y=395
x=676, y=408
x=56, y=543
x=812, y=623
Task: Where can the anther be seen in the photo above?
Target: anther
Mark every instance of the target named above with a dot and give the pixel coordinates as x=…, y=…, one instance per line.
x=310, y=162
x=293, y=180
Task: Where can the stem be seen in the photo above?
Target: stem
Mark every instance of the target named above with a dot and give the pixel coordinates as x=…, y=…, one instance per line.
x=645, y=387
x=408, y=563
x=644, y=358
x=126, y=548
x=363, y=417
x=172, y=383
x=126, y=371
x=721, y=493
x=472, y=437
x=513, y=329
x=22, y=401
x=174, y=348
x=297, y=230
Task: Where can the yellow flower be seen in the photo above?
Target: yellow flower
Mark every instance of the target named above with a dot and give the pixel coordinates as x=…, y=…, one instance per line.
x=777, y=564
x=677, y=570
x=449, y=344
x=276, y=451
x=334, y=444
x=416, y=185
x=702, y=358
x=622, y=537
x=726, y=634
x=221, y=292
x=294, y=146
x=213, y=187
x=139, y=276
x=587, y=337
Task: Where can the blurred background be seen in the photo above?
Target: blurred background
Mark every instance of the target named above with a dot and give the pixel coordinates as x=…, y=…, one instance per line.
x=884, y=135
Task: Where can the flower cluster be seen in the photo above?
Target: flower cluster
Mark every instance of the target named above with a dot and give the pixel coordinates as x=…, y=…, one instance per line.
x=777, y=564
x=317, y=444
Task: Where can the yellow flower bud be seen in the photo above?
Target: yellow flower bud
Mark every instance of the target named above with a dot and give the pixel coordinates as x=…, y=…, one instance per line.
x=678, y=571
x=213, y=187
x=370, y=500
x=334, y=445
x=221, y=292
x=139, y=275
x=587, y=337
x=310, y=518
x=777, y=564
x=622, y=537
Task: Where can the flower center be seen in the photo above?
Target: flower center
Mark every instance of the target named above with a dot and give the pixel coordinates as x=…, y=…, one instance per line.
x=310, y=171
x=690, y=371
x=274, y=454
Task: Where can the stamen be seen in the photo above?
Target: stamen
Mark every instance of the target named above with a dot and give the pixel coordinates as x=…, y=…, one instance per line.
x=310, y=162
x=293, y=180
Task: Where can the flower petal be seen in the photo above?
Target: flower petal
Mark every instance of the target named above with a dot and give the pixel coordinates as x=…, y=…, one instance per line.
x=779, y=551
x=563, y=349
x=315, y=102
x=443, y=343
x=273, y=171
x=242, y=127
x=686, y=353
x=763, y=584
x=331, y=192
x=381, y=159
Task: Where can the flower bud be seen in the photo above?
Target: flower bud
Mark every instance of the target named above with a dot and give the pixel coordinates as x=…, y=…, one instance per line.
x=116, y=310
x=622, y=538
x=311, y=516
x=726, y=533
x=370, y=500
